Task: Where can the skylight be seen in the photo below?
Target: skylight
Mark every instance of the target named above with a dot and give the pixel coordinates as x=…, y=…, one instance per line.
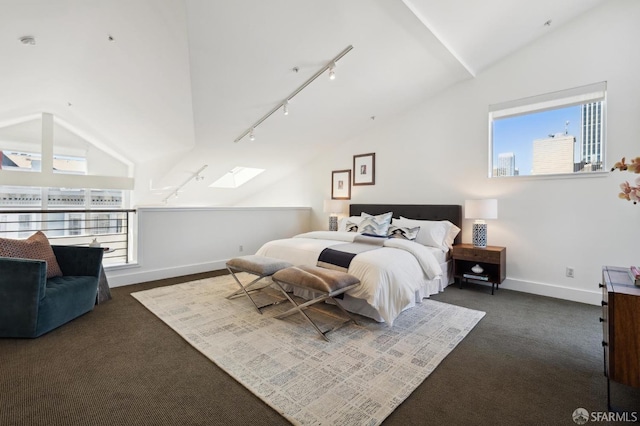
x=236, y=177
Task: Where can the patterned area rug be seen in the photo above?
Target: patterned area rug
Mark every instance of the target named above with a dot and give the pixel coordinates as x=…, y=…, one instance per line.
x=358, y=378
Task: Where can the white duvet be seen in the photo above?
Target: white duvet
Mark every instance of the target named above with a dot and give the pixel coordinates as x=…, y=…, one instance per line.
x=390, y=276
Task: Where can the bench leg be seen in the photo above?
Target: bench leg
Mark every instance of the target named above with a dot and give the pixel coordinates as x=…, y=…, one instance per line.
x=246, y=289
x=301, y=307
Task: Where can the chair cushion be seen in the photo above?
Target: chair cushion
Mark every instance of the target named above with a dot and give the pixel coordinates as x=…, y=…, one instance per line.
x=66, y=298
x=315, y=278
x=36, y=247
x=258, y=265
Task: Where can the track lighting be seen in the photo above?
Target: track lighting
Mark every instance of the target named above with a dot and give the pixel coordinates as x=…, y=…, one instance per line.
x=284, y=105
x=197, y=176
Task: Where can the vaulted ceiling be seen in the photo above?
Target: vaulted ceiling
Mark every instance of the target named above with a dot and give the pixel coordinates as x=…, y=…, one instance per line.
x=170, y=84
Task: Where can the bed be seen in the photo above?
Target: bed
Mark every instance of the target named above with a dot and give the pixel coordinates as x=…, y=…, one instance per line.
x=395, y=276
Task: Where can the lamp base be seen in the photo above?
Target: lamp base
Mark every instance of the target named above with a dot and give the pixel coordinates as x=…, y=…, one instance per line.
x=333, y=223
x=479, y=235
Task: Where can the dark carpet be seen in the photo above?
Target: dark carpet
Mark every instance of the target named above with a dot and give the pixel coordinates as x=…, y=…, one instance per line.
x=531, y=361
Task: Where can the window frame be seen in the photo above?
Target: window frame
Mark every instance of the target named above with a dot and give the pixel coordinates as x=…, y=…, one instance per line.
x=582, y=95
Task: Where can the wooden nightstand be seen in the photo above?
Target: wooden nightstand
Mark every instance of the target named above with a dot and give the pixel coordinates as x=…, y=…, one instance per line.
x=492, y=259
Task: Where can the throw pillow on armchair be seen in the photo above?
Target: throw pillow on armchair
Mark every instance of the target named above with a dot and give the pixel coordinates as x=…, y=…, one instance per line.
x=35, y=247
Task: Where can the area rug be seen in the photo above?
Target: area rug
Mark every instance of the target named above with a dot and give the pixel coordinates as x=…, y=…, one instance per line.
x=358, y=378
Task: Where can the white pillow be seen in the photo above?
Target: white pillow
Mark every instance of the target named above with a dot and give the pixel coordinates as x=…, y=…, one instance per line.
x=433, y=233
x=452, y=234
x=342, y=223
x=375, y=225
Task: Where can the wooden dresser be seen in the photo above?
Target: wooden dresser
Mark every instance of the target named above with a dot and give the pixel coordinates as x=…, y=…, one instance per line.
x=620, y=326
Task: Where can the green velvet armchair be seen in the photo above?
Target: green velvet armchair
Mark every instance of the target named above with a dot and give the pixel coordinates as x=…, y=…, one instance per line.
x=32, y=305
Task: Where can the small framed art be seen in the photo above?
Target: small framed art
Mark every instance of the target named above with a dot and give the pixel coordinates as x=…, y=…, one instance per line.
x=364, y=169
x=341, y=185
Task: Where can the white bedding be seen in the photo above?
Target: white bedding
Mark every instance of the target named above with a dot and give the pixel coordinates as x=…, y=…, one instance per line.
x=390, y=277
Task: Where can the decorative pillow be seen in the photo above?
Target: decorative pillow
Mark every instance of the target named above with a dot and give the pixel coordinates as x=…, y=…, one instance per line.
x=351, y=227
x=404, y=233
x=342, y=223
x=375, y=225
x=35, y=247
x=433, y=233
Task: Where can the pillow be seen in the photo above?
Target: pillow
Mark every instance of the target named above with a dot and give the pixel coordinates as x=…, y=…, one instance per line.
x=404, y=233
x=351, y=227
x=451, y=235
x=35, y=247
x=342, y=223
x=433, y=233
x=375, y=225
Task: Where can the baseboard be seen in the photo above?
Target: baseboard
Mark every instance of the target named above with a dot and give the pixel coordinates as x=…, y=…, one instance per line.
x=121, y=278
x=591, y=297
x=127, y=277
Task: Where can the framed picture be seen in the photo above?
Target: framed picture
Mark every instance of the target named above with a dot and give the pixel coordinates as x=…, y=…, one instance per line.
x=364, y=169
x=341, y=185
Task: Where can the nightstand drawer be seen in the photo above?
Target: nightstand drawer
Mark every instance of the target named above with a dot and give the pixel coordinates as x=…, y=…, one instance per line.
x=474, y=254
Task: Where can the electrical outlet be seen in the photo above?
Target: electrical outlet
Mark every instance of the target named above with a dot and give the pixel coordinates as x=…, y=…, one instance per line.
x=569, y=272
x=240, y=248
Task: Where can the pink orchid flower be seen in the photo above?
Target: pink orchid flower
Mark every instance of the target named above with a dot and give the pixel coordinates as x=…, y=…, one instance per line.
x=629, y=192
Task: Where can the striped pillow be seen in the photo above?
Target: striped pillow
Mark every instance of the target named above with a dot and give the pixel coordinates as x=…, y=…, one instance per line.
x=351, y=227
x=405, y=233
x=36, y=247
x=375, y=225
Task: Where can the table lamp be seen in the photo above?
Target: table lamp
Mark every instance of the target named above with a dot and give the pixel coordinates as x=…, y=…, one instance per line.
x=333, y=207
x=479, y=210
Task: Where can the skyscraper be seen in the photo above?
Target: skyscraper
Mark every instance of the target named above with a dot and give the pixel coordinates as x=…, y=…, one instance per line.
x=591, y=135
x=506, y=164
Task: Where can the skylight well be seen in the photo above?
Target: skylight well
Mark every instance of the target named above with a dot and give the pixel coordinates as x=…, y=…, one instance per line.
x=237, y=177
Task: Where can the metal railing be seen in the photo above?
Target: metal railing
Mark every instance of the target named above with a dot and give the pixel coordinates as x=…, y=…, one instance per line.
x=111, y=228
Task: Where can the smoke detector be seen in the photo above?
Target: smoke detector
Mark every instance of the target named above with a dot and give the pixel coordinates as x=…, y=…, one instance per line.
x=30, y=40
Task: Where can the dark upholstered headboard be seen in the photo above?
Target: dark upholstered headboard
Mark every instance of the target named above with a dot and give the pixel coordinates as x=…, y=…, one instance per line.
x=450, y=212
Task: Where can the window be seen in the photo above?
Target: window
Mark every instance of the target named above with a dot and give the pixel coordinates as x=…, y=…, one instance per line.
x=24, y=225
x=237, y=177
x=101, y=223
x=32, y=162
x=75, y=224
x=560, y=133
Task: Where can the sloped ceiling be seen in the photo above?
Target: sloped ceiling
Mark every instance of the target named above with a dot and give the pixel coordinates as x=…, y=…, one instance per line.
x=480, y=33
x=132, y=92
x=180, y=80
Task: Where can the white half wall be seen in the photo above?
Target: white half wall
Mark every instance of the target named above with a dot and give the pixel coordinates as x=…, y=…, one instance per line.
x=181, y=241
x=437, y=153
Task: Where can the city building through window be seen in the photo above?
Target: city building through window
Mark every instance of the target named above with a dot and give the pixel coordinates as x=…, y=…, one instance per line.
x=560, y=133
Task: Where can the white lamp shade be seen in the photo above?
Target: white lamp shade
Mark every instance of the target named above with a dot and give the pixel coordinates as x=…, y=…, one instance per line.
x=332, y=206
x=481, y=209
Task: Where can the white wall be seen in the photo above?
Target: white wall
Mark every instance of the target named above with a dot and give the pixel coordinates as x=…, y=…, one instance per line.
x=437, y=153
x=181, y=241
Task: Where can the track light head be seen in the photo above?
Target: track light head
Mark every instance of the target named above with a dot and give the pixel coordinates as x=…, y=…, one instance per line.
x=28, y=40
x=285, y=104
